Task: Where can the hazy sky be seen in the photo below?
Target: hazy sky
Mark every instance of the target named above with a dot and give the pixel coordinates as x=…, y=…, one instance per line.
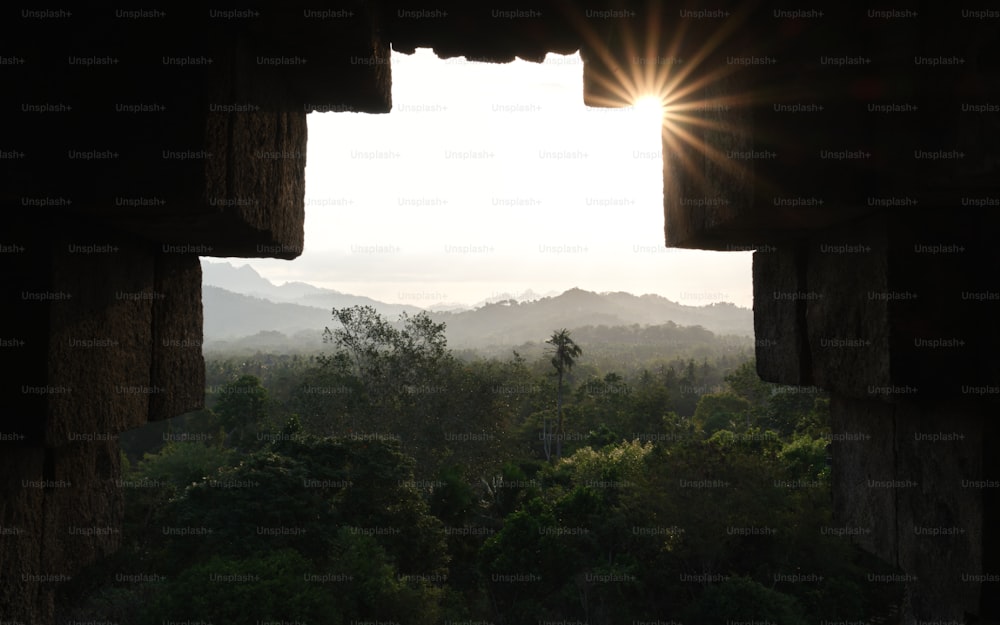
x=487, y=179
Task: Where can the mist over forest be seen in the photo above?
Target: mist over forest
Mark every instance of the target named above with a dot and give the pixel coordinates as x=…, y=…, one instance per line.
x=244, y=312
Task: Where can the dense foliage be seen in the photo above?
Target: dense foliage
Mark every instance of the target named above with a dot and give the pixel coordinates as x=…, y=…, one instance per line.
x=392, y=481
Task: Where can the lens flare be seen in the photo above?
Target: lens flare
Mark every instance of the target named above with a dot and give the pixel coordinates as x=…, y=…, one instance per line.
x=672, y=69
x=649, y=107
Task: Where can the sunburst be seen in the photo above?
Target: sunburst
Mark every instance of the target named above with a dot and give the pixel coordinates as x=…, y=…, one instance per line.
x=676, y=72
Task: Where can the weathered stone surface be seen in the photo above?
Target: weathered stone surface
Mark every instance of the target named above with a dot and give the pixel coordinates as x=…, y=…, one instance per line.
x=328, y=49
x=939, y=446
x=486, y=32
x=864, y=449
x=707, y=192
x=780, y=299
x=21, y=531
x=907, y=476
x=178, y=368
x=59, y=509
x=83, y=510
x=100, y=338
x=848, y=331
x=946, y=300
x=761, y=107
x=25, y=275
x=892, y=308
x=255, y=180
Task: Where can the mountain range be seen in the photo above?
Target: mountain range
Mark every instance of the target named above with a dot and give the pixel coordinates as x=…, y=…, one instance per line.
x=243, y=309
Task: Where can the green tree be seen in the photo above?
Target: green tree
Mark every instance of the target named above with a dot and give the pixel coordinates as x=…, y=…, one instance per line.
x=381, y=351
x=242, y=409
x=722, y=411
x=804, y=458
x=743, y=598
x=745, y=383
x=329, y=397
x=452, y=500
x=405, y=381
x=267, y=587
x=564, y=354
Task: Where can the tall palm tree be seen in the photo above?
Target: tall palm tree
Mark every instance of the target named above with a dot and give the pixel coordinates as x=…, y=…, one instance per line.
x=564, y=354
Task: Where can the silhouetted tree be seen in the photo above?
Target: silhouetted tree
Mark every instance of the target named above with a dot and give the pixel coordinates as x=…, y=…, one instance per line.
x=564, y=354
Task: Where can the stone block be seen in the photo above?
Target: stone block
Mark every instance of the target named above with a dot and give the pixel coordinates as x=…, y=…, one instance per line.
x=100, y=337
x=939, y=446
x=21, y=523
x=178, y=368
x=907, y=477
x=847, y=329
x=84, y=508
x=863, y=451
x=780, y=297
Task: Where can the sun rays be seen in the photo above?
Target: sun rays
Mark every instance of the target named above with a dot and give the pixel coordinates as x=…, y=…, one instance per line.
x=673, y=64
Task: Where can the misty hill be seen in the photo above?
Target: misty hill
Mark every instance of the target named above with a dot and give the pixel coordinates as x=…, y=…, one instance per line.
x=619, y=348
x=246, y=322
x=511, y=323
x=246, y=281
x=527, y=296
x=229, y=315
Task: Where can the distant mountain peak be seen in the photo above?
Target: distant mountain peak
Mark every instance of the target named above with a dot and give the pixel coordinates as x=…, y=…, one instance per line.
x=245, y=280
x=305, y=286
x=525, y=296
x=578, y=293
x=242, y=279
x=505, y=321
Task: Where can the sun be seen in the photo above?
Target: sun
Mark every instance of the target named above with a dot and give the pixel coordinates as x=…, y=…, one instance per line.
x=649, y=109
x=671, y=81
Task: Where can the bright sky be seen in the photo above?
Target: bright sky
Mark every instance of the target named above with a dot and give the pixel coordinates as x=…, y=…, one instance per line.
x=488, y=179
